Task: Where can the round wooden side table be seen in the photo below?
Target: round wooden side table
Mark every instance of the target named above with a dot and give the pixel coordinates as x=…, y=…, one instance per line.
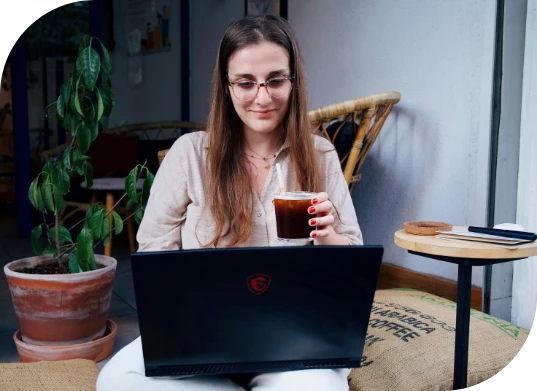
x=465, y=254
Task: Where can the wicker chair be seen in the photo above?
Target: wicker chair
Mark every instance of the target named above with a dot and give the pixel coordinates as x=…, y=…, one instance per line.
x=145, y=131
x=359, y=119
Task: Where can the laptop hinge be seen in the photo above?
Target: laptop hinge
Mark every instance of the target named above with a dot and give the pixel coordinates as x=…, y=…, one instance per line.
x=335, y=363
x=213, y=369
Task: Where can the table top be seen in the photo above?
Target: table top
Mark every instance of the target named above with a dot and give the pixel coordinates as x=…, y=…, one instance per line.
x=111, y=184
x=461, y=248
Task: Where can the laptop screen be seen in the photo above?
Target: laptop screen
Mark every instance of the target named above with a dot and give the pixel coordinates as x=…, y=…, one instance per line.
x=254, y=307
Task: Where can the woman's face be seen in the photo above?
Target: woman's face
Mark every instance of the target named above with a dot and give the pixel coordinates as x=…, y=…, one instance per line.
x=259, y=63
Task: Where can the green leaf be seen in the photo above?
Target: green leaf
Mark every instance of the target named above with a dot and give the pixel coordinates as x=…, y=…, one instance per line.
x=83, y=136
x=104, y=122
x=107, y=67
x=92, y=265
x=106, y=239
x=58, y=200
x=88, y=174
x=105, y=234
x=39, y=199
x=74, y=125
x=47, y=193
x=139, y=215
x=48, y=167
x=66, y=182
x=83, y=265
x=66, y=120
x=63, y=234
x=50, y=250
x=146, y=187
x=33, y=191
x=57, y=180
x=84, y=243
x=91, y=113
x=89, y=63
x=60, y=106
x=79, y=158
x=65, y=92
x=93, y=126
x=118, y=222
x=131, y=203
x=75, y=103
x=96, y=224
x=130, y=183
x=150, y=177
x=67, y=158
x=100, y=105
x=74, y=267
x=106, y=79
x=35, y=236
x=92, y=210
x=108, y=101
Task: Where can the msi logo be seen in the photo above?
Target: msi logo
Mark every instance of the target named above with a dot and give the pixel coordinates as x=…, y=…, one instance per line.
x=258, y=283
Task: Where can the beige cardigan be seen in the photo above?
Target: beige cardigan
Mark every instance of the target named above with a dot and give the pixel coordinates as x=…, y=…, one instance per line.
x=173, y=218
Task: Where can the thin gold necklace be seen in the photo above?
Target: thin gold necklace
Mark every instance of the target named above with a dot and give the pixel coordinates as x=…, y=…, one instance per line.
x=266, y=165
x=264, y=158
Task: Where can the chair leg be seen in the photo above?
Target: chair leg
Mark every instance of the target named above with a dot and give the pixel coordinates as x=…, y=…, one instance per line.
x=94, y=198
x=109, y=205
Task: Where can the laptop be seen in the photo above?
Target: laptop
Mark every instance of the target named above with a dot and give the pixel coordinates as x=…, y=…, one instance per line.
x=248, y=310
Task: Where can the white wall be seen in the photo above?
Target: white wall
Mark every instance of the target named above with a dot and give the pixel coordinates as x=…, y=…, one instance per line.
x=431, y=159
x=158, y=97
x=525, y=271
x=209, y=20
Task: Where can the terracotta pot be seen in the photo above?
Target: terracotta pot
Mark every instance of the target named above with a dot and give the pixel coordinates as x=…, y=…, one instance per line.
x=94, y=350
x=61, y=309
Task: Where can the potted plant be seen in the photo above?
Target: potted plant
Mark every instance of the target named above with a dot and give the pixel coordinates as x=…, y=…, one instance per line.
x=62, y=295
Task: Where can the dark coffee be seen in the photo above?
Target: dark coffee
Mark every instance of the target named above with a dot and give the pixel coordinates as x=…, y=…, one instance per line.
x=292, y=216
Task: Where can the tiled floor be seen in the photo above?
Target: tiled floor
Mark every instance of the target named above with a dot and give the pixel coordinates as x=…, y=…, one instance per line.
x=122, y=308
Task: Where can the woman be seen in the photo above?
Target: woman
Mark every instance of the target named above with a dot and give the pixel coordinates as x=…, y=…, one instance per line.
x=215, y=188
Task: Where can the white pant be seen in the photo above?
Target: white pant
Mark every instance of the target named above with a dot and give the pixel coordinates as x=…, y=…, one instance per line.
x=125, y=371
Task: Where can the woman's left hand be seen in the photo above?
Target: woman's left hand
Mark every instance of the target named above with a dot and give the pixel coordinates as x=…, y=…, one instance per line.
x=321, y=216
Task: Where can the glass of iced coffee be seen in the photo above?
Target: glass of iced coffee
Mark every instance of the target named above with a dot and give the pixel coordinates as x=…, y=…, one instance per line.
x=292, y=217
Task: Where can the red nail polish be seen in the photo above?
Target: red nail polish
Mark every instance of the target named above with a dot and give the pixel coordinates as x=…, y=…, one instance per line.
x=312, y=222
x=314, y=201
x=313, y=234
x=311, y=209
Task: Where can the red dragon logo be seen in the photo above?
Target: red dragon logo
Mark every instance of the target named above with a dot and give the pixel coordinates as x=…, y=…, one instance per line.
x=258, y=283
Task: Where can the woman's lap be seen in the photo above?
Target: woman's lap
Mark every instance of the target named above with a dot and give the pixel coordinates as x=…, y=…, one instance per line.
x=125, y=371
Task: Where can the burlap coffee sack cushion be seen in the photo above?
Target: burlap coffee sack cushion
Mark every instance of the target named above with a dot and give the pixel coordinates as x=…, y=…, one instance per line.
x=68, y=375
x=410, y=344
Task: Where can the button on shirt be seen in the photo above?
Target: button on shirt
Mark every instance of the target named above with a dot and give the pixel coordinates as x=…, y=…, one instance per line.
x=176, y=217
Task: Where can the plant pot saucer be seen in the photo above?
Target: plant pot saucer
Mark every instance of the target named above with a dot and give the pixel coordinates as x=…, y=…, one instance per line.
x=96, y=350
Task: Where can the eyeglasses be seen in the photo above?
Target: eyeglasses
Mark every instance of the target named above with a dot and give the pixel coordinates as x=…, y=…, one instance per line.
x=277, y=87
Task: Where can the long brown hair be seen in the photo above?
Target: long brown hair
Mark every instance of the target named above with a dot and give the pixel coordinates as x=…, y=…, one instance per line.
x=229, y=195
